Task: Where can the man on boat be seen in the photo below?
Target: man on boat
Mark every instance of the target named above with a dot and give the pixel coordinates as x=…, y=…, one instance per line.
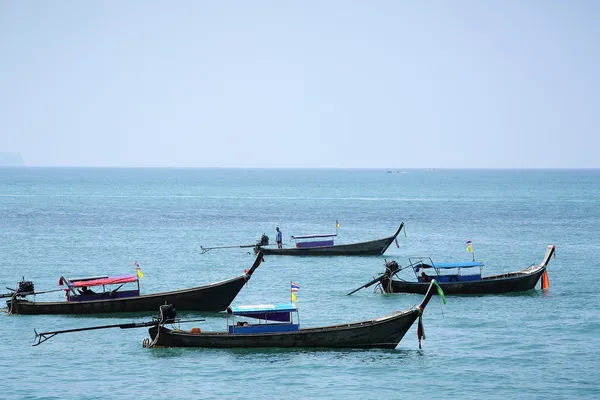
x=279, y=238
x=424, y=276
x=85, y=291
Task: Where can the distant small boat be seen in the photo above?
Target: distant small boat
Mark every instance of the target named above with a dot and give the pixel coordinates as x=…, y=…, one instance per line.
x=80, y=299
x=461, y=277
x=323, y=245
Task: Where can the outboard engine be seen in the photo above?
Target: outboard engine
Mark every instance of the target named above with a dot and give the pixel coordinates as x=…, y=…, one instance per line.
x=24, y=288
x=264, y=240
x=391, y=267
x=167, y=314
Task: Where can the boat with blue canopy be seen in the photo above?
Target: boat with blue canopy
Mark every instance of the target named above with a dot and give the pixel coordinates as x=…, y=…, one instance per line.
x=319, y=244
x=461, y=277
x=270, y=318
x=278, y=325
x=446, y=271
x=315, y=240
x=322, y=244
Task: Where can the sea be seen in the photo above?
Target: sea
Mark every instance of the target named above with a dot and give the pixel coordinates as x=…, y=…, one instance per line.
x=98, y=221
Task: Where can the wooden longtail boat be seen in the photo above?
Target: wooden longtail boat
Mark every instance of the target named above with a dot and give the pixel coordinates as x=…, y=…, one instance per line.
x=81, y=300
x=284, y=331
x=459, y=282
x=324, y=246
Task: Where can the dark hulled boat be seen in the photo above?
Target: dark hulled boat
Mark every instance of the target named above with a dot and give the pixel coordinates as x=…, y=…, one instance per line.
x=81, y=300
x=384, y=332
x=461, y=283
x=324, y=246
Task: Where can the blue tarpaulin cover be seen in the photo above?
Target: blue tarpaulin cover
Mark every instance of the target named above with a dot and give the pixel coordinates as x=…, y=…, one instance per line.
x=316, y=235
x=442, y=265
x=272, y=312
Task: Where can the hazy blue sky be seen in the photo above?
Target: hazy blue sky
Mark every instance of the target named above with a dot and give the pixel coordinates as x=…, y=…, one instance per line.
x=393, y=84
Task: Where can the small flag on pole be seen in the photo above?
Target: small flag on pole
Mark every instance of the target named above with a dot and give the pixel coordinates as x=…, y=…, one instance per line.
x=140, y=274
x=469, y=246
x=294, y=287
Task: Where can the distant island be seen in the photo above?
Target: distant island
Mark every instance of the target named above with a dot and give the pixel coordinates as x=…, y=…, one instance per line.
x=11, y=160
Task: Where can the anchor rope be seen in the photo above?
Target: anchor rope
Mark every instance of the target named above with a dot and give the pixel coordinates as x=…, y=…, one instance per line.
x=161, y=322
x=12, y=303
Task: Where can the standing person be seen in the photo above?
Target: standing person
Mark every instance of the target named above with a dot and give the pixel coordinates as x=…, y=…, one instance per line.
x=279, y=238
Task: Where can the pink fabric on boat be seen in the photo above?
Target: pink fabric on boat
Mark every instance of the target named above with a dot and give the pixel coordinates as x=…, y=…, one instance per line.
x=113, y=280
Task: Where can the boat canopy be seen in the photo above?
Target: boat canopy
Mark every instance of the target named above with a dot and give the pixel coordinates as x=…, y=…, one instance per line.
x=448, y=265
x=87, y=278
x=273, y=312
x=318, y=235
x=98, y=281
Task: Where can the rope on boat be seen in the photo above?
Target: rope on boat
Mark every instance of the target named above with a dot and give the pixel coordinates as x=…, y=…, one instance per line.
x=12, y=303
x=420, y=310
x=420, y=327
x=389, y=285
x=391, y=269
x=166, y=314
x=378, y=289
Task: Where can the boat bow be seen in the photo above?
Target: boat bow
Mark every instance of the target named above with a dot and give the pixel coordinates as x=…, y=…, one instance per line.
x=421, y=308
x=259, y=259
x=428, y=295
x=550, y=251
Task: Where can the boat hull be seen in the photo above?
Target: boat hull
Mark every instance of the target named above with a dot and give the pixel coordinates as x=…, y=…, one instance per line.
x=385, y=332
x=506, y=283
x=375, y=247
x=216, y=297
x=213, y=297
x=370, y=248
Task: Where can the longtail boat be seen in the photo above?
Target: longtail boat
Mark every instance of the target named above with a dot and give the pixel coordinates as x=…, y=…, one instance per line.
x=323, y=245
x=278, y=326
x=462, y=277
x=80, y=299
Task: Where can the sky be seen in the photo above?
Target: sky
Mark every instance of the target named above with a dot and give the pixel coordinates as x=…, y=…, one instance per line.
x=304, y=84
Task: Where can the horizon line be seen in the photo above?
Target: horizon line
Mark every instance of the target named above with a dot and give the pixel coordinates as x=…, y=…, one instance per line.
x=391, y=169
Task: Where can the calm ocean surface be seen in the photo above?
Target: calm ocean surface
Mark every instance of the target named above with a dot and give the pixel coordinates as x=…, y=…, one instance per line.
x=92, y=221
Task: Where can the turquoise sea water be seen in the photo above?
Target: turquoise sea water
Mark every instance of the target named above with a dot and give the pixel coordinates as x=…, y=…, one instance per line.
x=86, y=221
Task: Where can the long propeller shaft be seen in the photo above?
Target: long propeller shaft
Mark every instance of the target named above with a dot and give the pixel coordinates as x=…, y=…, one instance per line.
x=43, y=336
